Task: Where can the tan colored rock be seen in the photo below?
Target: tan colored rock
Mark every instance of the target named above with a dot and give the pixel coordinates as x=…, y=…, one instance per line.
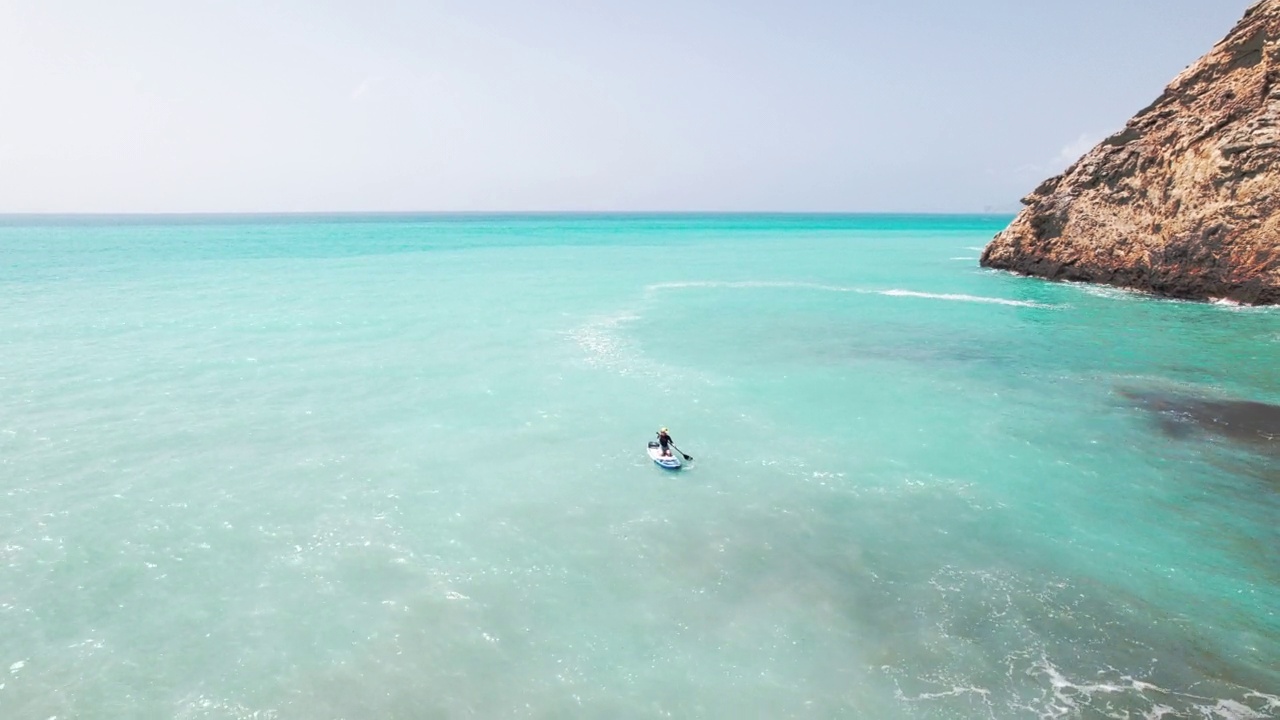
x=1185, y=201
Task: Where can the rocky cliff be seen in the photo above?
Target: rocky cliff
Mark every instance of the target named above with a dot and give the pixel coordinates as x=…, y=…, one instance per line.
x=1185, y=201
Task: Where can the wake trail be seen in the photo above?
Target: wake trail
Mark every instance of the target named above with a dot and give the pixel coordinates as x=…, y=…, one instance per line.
x=895, y=292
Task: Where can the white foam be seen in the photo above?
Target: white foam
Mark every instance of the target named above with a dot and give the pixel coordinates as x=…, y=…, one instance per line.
x=1232, y=710
x=957, y=297
x=1272, y=701
x=1067, y=694
x=1068, y=697
x=896, y=292
x=14, y=668
x=1233, y=306
x=746, y=285
x=983, y=692
x=1110, y=292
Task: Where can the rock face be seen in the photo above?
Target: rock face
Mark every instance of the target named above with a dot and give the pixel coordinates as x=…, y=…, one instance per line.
x=1185, y=201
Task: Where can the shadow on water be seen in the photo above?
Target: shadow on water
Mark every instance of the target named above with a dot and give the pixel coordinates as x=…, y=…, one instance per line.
x=1246, y=422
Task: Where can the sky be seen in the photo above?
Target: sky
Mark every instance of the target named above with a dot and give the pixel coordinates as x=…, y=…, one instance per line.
x=571, y=105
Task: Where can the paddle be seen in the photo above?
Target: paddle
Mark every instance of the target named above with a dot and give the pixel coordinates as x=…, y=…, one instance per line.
x=686, y=457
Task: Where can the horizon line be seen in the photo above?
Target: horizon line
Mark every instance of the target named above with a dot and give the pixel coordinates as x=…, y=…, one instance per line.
x=493, y=213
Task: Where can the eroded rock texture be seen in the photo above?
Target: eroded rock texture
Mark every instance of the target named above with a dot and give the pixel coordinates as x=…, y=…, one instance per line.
x=1185, y=201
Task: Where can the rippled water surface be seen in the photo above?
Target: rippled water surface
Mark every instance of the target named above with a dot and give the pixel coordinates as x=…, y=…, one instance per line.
x=394, y=467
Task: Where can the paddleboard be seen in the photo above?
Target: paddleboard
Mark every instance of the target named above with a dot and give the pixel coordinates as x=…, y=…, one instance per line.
x=671, y=462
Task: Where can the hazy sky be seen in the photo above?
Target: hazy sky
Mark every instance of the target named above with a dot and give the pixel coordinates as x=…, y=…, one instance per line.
x=314, y=105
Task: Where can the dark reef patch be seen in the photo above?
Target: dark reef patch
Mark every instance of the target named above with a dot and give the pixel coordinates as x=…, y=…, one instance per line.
x=1255, y=424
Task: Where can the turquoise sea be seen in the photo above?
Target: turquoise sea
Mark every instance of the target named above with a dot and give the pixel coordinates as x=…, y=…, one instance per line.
x=393, y=467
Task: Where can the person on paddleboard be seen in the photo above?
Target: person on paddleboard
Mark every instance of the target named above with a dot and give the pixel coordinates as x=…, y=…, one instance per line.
x=665, y=441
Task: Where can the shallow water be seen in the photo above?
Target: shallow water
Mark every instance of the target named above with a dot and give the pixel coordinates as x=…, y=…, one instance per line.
x=393, y=467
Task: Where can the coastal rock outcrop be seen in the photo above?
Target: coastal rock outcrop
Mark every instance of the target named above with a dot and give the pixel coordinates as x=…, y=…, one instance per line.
x=1185, y=200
